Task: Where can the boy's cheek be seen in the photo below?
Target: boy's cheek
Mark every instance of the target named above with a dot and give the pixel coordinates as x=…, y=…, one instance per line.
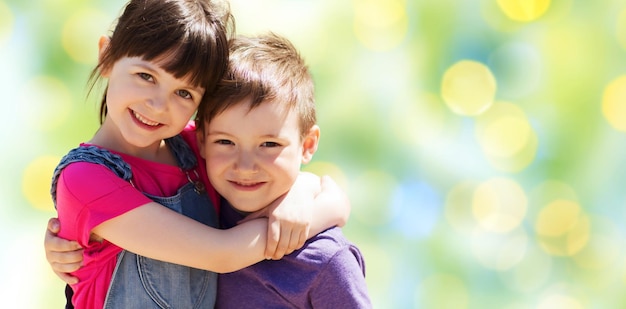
x=201, y=145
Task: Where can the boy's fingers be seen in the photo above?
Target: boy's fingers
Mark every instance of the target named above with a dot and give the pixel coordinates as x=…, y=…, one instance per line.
x=65, y=267
x=65, y=257
x=53, y=225
x=69, y=279
x=53, y=243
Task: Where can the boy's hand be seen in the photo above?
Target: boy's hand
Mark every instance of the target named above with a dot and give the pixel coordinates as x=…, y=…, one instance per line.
x=64, y=256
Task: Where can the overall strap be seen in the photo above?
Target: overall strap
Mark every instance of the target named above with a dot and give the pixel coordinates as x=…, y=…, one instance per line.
x=183, y=153
x=91, y=154
x=186, y=161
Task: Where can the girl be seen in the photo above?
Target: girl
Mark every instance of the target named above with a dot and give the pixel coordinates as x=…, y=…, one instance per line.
x=161, y=59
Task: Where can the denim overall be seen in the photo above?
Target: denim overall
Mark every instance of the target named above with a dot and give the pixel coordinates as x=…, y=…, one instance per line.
x=140, y=282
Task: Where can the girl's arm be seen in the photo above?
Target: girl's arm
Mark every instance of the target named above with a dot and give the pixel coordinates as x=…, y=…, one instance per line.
x=159, y=233
x=204, y=247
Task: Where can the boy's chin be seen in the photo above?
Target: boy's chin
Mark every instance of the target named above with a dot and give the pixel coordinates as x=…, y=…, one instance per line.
x=246, y=208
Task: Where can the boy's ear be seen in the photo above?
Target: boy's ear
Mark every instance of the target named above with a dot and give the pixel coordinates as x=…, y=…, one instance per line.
x=103, y=44
x=309, y=145
x=201, y=140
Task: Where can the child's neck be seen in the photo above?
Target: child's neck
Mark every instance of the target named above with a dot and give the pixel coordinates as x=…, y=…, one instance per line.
x=112, y=140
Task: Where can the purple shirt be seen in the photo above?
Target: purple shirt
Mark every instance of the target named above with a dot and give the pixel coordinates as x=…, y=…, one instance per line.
x=327, y=272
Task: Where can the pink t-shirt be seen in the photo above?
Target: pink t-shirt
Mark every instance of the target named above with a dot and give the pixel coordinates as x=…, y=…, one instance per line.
x=89, y=194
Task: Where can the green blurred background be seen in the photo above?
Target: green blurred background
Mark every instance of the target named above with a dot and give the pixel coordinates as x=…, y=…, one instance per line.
x=481, y=142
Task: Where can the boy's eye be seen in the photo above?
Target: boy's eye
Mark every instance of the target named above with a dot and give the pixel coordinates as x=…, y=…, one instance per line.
x=145, y=76
x=184, y=94
x=270, y=144
x=224, y=142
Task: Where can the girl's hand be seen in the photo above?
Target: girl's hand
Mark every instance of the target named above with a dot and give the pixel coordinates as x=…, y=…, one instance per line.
x=289, y=217
x=312, y=205
x=64, y=256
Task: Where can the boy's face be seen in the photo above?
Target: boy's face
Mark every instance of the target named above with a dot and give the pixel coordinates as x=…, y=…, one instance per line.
x=254, y=156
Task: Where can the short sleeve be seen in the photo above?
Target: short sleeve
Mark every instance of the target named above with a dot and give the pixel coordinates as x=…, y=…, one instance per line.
x=89, y=194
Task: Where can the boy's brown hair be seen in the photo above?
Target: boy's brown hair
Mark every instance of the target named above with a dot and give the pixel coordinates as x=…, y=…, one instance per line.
x=264, y=68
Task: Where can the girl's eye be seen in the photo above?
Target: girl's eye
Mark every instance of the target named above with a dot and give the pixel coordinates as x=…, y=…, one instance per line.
x=145, y=76
x=184, y=94
x=270, y=144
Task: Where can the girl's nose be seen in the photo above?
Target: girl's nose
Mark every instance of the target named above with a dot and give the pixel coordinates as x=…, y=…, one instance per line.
x=158, y=103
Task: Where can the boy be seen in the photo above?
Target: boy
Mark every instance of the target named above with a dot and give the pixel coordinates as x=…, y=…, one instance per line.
x=256, y=130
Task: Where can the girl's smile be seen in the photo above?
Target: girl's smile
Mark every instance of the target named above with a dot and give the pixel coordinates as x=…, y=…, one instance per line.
x=144, y=121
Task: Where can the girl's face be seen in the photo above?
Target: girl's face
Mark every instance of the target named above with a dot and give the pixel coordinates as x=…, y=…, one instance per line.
x=147, y=104
x=254, y=156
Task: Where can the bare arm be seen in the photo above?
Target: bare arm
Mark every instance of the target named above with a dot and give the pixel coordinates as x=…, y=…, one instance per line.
x=157, y=232
x=206, y=247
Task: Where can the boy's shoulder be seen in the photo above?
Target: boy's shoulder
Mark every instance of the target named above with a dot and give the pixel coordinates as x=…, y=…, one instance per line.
x=327, y=244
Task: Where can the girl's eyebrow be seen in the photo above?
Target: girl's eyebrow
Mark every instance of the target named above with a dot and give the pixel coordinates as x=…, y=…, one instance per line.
x=146, y=65
x=157, y=70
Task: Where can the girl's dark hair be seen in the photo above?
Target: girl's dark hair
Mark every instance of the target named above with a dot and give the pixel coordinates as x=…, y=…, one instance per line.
x=189, y=37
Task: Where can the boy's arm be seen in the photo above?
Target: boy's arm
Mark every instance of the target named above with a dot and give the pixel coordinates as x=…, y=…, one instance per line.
x=312, y=205
x=64, y=256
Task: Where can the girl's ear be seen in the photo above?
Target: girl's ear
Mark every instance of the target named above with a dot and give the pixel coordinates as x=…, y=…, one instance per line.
x=309, y=145
x=103, y=44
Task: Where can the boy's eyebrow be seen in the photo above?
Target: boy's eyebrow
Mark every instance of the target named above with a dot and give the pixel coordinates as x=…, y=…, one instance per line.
x=214, y=132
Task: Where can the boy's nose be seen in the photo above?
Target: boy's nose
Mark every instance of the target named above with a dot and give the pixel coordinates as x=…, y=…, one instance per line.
x=245, y=163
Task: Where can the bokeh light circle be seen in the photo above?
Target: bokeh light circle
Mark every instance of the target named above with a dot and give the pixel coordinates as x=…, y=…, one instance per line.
x=380, y=25
x=614, y=103
x=468, y=88
x=499, y=205
x=36, y=182
x=562, y=228
x=524, y=10
x=506, y=137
